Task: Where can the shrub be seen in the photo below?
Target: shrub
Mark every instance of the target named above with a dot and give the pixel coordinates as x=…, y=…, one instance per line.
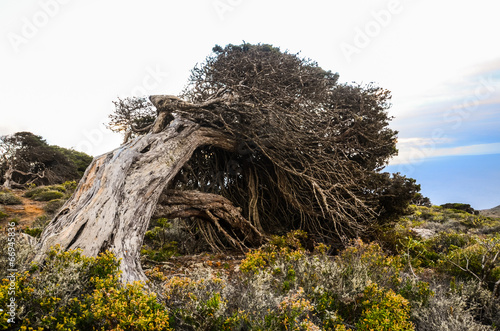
x=53, y=205
x=3, y=215
x=34, y=191
x=157, y=246
x=480, y=302
x=334, y=287
x=48, y=195
x=115, y=307
x=294, y=313
x=74, y=292
x=384, y=310
x=34, y=232
x=445, y=242
x=459, y=207
x=8, y=198
x=198, y=301
x=70, y=186
x=447, y=311
x=162, y=253
x=24, y=251
x=477, y=260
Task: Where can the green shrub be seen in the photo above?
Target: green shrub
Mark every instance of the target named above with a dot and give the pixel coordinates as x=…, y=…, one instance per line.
x=115, y=307
x=445, y=242
x=53, y=205
x=478, y=260
x=74, y=292
x=48, y=195
x=34, y=191
x=41, y=222
x=156, y=246
x=162, y=253
x=8, y=198
x=3, y=215
x=70, y=186
x=417, y=292
x=199, y=301
x=334, y=286
x=384, y=310
x=34, y=232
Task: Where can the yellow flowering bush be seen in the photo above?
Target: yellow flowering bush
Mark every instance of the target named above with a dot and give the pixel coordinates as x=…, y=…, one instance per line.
x=384, y=310
x=75, y=292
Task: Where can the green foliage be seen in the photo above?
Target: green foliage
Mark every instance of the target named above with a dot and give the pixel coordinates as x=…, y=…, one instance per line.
x=37, y=193
x=53, y=205
x=293, y=313
x=331, y=289
x=446, y=242
x=198, y=301
x=74, y=292
x=56, y=195
x=476, y=260
x=459, y=207
x=280, y=286
x=79, y=160
x=394, y=194
x=417, y=292
x=384, y=310
x=156, y=246
x=38, y=226
x=33, y=161
x=3, y=215
x=48, y=195
x=288, y=246
x=115, y=307
x=443, y=219
x=34, y=232
x=8, y=198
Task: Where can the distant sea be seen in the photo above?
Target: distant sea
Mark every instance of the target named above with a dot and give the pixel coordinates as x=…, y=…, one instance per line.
x=472, y=179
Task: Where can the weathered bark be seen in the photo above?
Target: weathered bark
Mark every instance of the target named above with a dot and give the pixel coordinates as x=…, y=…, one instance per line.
x=116, y=198
x=8, y=182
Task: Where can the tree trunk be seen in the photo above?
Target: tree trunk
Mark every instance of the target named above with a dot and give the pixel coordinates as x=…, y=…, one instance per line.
x=8, y=178
x=115, y=200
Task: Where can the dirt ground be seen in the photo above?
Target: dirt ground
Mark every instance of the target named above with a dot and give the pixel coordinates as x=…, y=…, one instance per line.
x=25, y=213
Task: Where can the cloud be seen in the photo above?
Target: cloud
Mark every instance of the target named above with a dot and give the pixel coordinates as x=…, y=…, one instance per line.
x=420, y=141
x=416, y=150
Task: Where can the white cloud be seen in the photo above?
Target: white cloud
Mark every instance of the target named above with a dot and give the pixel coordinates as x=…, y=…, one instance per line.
x=421, y=141
x=417, y=150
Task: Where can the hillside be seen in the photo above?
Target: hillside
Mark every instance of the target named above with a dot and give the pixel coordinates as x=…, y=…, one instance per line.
x=492, y=212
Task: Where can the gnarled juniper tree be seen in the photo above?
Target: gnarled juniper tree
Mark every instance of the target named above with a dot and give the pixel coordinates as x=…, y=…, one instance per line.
x=260, y=141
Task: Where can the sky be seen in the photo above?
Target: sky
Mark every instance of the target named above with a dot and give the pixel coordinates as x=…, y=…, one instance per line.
x=63, y=62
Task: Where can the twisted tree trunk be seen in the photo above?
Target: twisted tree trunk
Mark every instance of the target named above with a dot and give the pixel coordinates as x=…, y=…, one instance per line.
x=116, y=198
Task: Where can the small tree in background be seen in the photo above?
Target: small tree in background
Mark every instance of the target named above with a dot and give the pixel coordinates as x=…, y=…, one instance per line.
x=27, y=158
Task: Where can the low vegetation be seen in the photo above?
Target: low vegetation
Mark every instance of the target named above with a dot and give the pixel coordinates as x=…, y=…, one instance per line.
x=408, y=279
x=8, y=198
